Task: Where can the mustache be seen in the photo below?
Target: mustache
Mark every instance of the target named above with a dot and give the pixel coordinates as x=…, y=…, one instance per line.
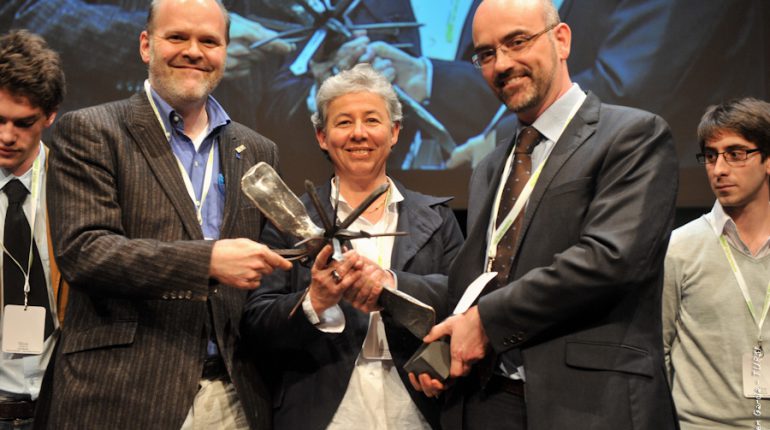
x=192, y=65
x=502, y=77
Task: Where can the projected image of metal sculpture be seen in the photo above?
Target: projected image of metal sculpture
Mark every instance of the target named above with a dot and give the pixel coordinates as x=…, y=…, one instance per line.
x=323, y=28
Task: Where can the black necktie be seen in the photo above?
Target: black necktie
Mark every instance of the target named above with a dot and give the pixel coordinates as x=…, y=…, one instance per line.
x=517, y=178
x=17, y=239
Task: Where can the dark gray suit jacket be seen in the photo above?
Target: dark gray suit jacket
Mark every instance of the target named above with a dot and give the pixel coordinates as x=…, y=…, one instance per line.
x=141, y=303
x=310, y=369
x=583, y=298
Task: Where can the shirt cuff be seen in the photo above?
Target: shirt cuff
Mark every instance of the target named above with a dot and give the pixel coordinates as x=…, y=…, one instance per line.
x=395, y=279
x=331, y=320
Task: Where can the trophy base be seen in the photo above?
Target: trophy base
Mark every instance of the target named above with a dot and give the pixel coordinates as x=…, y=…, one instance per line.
x=431, y=358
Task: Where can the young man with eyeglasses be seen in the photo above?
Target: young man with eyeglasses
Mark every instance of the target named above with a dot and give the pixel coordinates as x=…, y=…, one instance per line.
x=717, y=279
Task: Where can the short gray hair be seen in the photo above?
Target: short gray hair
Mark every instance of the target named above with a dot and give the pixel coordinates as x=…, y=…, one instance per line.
x=361, y=78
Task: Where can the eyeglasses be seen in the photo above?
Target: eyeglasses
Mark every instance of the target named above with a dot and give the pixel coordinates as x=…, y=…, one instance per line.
x=733, y=157
x=509, y=45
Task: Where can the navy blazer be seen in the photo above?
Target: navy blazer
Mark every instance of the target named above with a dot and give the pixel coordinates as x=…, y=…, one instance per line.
x=310, y=369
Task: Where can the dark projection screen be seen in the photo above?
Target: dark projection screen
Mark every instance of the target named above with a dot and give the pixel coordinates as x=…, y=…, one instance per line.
x=671, y=57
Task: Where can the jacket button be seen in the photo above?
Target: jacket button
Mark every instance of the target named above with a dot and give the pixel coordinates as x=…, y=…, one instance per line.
x=165, y=296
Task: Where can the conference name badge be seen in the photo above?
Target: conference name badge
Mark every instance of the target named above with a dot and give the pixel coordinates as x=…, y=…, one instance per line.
x=23, y=329
x=756, y=376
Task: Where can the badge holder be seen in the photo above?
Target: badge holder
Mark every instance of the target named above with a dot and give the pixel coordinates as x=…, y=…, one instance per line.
x=23, y=329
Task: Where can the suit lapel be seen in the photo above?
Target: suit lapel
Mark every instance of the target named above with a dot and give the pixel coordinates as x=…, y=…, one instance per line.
x=489, y=179
x=416, y=217
x=148, y=136
x=59, y=287
x=582, y=126
x=469, y=262
x=233, y=170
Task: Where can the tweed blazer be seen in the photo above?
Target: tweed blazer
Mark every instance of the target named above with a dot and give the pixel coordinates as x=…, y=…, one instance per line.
x=310, y=369
x=141, y=304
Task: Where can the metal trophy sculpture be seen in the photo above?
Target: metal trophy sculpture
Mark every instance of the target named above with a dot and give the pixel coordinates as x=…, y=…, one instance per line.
x=280, y=205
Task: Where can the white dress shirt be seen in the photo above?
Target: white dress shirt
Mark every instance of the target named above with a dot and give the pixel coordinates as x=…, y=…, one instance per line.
x=22, y=374
x=376, y=397
x=723, y=224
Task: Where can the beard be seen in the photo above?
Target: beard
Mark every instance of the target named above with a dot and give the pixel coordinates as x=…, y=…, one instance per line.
x=177, y=87
x=533, y=88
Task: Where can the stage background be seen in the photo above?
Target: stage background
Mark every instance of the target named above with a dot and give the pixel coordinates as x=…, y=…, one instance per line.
x=671, y=57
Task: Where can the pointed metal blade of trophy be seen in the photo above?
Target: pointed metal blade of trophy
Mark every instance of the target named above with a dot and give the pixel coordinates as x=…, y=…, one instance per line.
x=359, y=210
x=272, y=196
x=328, y=224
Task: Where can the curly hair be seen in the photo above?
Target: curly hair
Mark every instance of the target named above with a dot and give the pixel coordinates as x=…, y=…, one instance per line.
x=30, y=69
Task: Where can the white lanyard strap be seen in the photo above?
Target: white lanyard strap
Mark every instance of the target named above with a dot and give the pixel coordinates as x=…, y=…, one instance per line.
x=499, y=232
x=744, y=288
x=496, y=233
x=155, y=109
x=36, y=185
x=185, y=176
x=206, y=183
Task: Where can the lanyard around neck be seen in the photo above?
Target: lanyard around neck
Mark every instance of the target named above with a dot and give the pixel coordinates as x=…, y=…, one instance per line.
x=498, y=233
x=206, y=183
x=186, y=176
x=759, y=321
x=36, y=186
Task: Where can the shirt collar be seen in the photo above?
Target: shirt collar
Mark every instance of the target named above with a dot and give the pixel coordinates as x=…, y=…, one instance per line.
x=554, y=120
x=170, y=120
x=26, y=177
x=394, y=195
x=719, y=220
x=721, y=223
